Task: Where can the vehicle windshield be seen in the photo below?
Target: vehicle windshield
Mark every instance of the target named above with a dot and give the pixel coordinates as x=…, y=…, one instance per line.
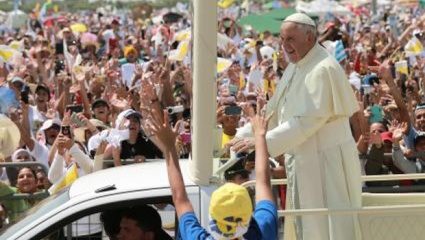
x=36, y=212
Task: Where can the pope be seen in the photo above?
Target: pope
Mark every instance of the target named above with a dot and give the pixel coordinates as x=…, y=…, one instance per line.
x=313, y=103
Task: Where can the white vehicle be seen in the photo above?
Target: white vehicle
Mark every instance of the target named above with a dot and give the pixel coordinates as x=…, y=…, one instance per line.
x=112, y=188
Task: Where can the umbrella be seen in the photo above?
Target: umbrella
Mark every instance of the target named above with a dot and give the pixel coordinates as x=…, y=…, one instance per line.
x=50, y=21
x=79, y=27
x=89, y=39
x=171, y=17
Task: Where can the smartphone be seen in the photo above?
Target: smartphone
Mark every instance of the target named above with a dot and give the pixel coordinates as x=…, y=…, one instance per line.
x=75, y=120
x=233, y=110
x=186, y=137
x=74, y=108
x=59, y=48
x=25, y=97
x=376, y=114
x=66, y=130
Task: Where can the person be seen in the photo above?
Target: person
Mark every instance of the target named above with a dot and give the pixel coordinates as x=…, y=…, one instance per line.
x=142, y=223
x=26, y=183
x=313, y=102
x=230, y=207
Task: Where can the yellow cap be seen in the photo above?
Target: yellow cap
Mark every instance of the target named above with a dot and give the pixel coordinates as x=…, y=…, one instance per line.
x=128, y=50
x=230, y=207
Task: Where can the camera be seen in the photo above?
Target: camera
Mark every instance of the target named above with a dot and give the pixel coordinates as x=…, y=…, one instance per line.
x=175, y=109
x=59, y=66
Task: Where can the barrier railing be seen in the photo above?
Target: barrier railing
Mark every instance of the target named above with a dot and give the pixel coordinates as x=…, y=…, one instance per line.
x=403, y=212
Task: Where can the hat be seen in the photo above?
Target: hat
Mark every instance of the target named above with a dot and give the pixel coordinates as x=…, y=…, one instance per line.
x=128, y=50
x=148, y=219
x=9, y=136
x=237, y=168
x=418, y=137
x=19, y=151
x=115, y=21
x=98, y=102
x=267, y=52
x=49, y=123
x=126, y=114
x=230, y=207
x=17, y=79
x=79, y=133
x=42, y=86
x=387, y=136
x=300, y=18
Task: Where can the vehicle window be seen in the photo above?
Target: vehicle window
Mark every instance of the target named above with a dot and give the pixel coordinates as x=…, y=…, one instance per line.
x=36, y=212
x=105, y=221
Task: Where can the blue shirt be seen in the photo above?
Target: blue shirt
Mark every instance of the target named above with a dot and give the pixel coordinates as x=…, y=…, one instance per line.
x=263, y=224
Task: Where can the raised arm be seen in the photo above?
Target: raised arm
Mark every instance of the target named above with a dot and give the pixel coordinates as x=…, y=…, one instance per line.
x=166, y=137
x=262, y=167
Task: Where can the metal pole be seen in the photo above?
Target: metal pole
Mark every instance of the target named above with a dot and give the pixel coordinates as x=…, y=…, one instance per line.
x=204, y=71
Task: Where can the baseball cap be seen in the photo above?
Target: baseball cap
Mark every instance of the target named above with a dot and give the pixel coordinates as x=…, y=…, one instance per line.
x=128, y=50
x=115, y=21
x=50, y=123
x=230, y=208
x=387, y=136
x=420, y=136
x=126, y=114
x=237, y=168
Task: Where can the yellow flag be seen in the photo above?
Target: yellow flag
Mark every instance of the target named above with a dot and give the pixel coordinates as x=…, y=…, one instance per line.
x=413, y=47
x=67, y=179
x=401, y=67
x=180, y=53
x=225, y=3
x=241, y=81
x=8, y=55
x=223, y=64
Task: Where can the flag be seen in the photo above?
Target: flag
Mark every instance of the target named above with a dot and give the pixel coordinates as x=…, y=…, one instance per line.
x=67, y=179
x=401, y=67
x=182, y=35
x=69, y=59
x=43, y=11
x=223, y=64
x=181, y=52
x=223, y=41
x=340, y=53
x=225, y=3
x=413, y=47
x=9, y=55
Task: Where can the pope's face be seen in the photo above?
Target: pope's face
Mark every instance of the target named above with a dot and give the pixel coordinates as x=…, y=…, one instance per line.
x=295, y=41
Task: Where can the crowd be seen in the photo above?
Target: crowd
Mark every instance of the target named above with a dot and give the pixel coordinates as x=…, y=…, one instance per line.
x=81, y=88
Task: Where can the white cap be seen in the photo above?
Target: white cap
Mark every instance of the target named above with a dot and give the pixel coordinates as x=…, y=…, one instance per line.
x=49, y=123
x=300, y=18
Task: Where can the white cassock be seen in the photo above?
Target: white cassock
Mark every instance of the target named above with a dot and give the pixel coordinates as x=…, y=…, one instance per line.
x=312, y=104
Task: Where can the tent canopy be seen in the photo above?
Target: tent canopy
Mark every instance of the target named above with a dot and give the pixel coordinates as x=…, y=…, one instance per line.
x=279, y=13
x=322, y=7
x=260, y=23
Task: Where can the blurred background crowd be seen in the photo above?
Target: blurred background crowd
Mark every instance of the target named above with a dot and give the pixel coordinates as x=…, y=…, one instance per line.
x=75, y=88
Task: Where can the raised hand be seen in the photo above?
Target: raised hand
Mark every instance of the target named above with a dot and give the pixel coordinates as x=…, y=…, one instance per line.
x=259, y=122
x=161, y=130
